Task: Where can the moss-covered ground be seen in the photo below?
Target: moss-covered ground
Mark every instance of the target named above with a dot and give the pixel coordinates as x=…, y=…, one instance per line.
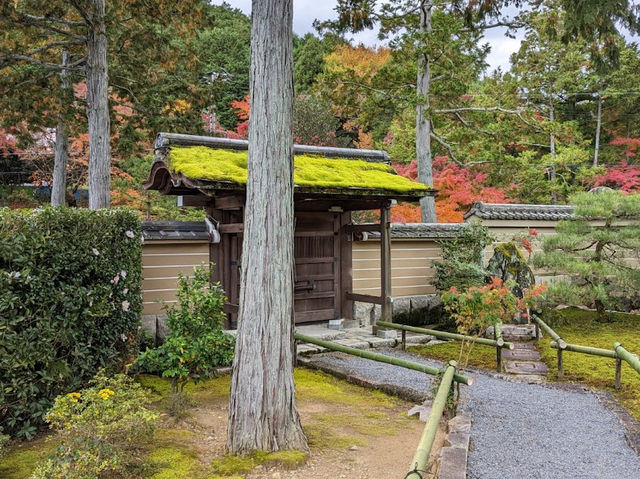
x=581, y=327
x=479, y=356
x=336, y=416
x=310, y=170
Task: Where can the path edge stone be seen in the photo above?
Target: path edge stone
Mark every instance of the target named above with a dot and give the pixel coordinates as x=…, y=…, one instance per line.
x=454, y=454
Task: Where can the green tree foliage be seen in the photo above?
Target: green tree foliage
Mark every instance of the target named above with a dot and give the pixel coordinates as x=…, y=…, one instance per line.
x=222, y=50
x=196, y=344
x=309, y=52
x=70, y=302
x=597, y=251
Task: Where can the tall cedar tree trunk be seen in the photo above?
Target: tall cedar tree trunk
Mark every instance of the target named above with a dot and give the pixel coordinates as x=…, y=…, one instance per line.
x=262, y=407
x=59, y=187
x=552, y=149
x=98, y=108
x=598, y=128
x=423, y=120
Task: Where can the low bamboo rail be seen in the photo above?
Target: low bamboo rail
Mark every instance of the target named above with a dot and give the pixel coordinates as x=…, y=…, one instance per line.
x=382, y=358
x=499, y=343
x=618, y=352
x=631, y=359
x=421, y=457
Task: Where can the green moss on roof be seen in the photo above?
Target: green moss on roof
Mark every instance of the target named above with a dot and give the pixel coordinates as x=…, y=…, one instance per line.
x=201, y=162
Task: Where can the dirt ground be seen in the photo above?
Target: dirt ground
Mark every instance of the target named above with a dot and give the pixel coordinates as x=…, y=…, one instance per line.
x=353, y=432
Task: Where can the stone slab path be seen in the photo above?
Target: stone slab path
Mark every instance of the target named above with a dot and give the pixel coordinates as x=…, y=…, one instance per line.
x=524, y=359
x=519, y=430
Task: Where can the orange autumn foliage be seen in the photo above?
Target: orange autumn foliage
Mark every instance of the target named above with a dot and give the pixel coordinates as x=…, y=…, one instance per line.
x=458, y=188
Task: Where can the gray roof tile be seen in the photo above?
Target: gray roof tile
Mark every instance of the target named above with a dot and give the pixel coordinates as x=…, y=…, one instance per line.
x=518, y=211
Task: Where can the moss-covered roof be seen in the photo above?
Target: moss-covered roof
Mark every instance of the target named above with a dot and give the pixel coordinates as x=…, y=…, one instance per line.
x=204, y=163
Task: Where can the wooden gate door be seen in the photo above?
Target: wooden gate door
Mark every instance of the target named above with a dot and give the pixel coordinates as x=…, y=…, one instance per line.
x=317, y=270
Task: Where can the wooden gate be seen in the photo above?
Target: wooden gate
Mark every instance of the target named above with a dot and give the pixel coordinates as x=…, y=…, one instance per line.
x=317, y=273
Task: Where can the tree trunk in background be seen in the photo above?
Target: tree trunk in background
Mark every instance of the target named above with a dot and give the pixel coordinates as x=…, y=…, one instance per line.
x=598, y=128
x=59, y=187
x=423, y=121
x=98, y=109
x=262, y=407
x=552, y=148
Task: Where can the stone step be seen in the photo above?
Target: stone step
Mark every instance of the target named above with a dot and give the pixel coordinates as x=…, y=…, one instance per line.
x=525, y=367
x=514, y=332
x=521, y=354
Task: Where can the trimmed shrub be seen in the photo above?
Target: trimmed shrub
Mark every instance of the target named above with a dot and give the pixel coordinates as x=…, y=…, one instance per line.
x=70, y=302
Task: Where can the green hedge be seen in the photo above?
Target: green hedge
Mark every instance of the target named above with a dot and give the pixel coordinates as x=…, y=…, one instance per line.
x=70, y=303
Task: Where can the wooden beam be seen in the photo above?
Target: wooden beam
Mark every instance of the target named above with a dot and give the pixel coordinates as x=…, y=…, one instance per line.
x=385, y=262
x=365, y=298
x=368, y=228
x=346, y=267
x=197, y=200
x=229, y=202
x=231, y=228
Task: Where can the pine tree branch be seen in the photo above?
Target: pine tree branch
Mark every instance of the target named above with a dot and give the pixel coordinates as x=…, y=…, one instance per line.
x=488, y=26
x=446, y=146
x=51, y=45
x=9, y=60
x=47, y=19
x=462, y=120
x=518, y=113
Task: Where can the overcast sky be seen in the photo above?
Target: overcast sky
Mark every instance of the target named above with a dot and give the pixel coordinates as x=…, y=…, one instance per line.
x=306, y=11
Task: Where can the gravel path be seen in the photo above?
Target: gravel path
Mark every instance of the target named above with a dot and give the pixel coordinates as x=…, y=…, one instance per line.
x=522, y=431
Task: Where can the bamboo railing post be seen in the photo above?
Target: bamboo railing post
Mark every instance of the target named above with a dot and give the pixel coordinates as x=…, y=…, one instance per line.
x=560, y=370
x=444, y=334
x=631, y=359
x=618, y=372
x=537, y=331
x=421, y=457
x=382, y=358
x=562, y=344
x=497, y=335
x=404, y=340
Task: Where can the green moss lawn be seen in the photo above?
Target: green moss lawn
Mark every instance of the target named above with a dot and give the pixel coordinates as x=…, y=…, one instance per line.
x=480, y=356
x=337, y=417
x=581, y=327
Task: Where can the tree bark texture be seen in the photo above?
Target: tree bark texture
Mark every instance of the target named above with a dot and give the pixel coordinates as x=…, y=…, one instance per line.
x=59, y=187
x=423, y=120
x=262, y=408
x=552, y=149
x=98, y=109
x=598, y=128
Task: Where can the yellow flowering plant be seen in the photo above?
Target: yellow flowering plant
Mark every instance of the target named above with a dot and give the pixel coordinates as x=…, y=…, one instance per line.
x=101, y=429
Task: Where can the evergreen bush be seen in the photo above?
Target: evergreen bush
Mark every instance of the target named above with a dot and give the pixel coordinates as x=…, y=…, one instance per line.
x=597, y=252
x=70, y=302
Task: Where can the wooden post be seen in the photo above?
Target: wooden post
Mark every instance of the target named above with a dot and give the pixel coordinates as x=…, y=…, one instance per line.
x=618, y=372
x=498, y=334
x=560, y=371
x=537, y=331
x=404, y=340
x=385, y=261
